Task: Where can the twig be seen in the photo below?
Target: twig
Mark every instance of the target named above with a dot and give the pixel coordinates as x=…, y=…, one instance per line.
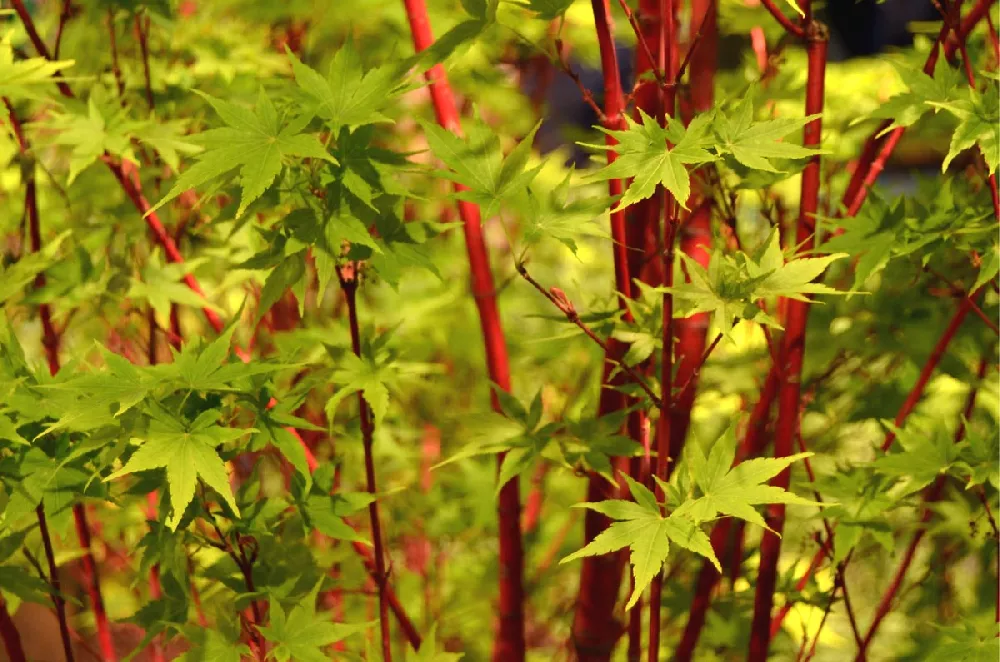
x=142, y=31
x=558, y=299
x=634, y=22
x=349, y=284
x=64, y=16
x=54, y=583
x=694, y=41
x=567, y=69
x=9, y=634
x=793, y=28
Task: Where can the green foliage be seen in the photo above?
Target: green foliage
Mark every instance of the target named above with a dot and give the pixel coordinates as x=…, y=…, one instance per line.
x=296, y=161
x=724, y=489
x=256, y=142
x=730, y=287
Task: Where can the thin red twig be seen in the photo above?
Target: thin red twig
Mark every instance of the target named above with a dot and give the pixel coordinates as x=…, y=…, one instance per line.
x=793, y=28
x=349, y=283
x=9, y=635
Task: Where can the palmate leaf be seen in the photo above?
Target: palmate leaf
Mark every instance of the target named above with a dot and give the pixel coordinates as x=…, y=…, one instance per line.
x=256, y=141
x=161, y=286
x=477, y=162
x=927, y=452
x=14, y=277
x=979, y=124
x=640, y=527
x=923, y=91
x=643, y=154
x=363, y=374
x=91, y=129
x=212, y=645
x=733, y=491
x=754, y=143
x=302, y=634
x=349, y=95
x=187, y=452
x=731, y=286
x=30, y=78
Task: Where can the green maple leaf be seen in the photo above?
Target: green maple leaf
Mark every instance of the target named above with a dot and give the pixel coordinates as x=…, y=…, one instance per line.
x=873, y=235
x=554, y=214
x=643, y=154
x=364, y=374
x=922, y=92
x=100, y=126
x=477, y=162
x=30, y=78
x=734, y=491
x=640, y=527
x=204, y=366
x=327, y=513
x=754, y=143
x=349, y=95
x=302, y=634
x=731, y=286
x=967, y=643
x=256, y=141
x=978, y=458
x=187, y=452
x=14, y=277
x=88, y=401
x=979, y=124
x=926, y=454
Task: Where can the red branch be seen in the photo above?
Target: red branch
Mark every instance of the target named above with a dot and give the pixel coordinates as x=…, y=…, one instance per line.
x=10, y=636
x=595, y=630
x=793, y=349
x=349, y=284
x=780, y=17
x=57, y=597
x=509, y=645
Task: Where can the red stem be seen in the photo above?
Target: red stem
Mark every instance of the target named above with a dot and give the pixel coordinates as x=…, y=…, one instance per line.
x=787, y=23
x=54, y=582
x=793, y=349
x=931, y=494
x=10, y=636
x=142, y=32
x=349, y=284
x=930, y=365
x=595, y=630
x=509, y=645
